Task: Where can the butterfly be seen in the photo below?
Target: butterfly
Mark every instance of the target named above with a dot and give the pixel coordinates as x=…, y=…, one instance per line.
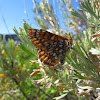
x=52, y=48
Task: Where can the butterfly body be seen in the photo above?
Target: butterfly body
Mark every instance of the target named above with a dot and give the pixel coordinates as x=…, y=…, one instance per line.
x=52, y=48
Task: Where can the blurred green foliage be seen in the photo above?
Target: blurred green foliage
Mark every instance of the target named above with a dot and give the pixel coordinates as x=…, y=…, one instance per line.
x=15, y=82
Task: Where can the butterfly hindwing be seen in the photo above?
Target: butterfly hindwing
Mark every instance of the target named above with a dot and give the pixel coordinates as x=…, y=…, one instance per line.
x=53, y=53
x=47, y=58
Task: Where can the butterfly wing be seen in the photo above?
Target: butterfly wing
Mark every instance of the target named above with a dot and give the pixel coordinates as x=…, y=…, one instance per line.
x=54, y=53
x=41, y=38
x=47, y=58
x=52, y=48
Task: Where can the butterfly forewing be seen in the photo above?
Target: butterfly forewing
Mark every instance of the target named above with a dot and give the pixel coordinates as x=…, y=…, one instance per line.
x=52, y=48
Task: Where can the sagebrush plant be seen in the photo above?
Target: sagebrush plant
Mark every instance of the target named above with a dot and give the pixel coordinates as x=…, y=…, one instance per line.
x=15, y=73
x=81, y=66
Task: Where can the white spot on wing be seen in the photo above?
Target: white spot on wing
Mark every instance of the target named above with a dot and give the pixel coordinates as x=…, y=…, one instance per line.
x=54, y=54
x=60, y=45
x=61, y=50
x=56, y=49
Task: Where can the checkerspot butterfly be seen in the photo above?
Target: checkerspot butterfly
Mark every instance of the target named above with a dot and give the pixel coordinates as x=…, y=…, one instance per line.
x=52, y=48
